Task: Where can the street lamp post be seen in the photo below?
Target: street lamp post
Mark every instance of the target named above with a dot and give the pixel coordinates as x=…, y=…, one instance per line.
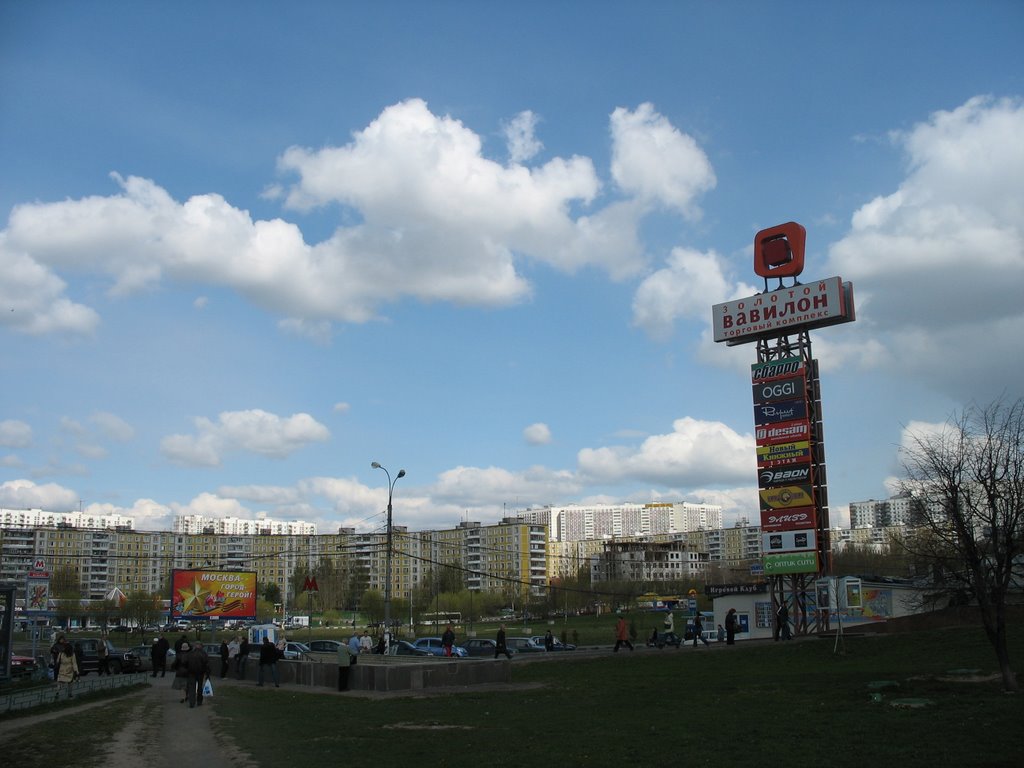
x=387, y=556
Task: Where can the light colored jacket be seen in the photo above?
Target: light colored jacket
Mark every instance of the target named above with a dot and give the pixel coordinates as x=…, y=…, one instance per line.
x=68, y=668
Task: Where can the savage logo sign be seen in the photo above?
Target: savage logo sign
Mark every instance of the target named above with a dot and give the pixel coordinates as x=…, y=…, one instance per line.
x=787, y=497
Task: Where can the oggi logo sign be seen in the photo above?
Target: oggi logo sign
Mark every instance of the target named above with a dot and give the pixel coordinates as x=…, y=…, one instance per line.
x=783, y=389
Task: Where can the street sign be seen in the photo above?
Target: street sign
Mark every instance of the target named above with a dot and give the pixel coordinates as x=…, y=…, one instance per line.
x=310, y=585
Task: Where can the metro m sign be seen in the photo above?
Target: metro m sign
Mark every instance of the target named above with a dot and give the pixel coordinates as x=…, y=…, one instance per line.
x=309, y=585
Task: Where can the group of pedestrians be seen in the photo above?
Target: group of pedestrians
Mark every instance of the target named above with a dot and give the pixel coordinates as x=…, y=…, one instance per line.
x=726, y=633
x=191, y=671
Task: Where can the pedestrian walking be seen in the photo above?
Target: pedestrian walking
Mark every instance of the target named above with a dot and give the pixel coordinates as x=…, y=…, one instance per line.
x=731, y=625
x=698, y=631
x=197, y=667
x=225, y=658
x=448, y=640
x=158, y=655
x=622, y=635
x=180, y=667
x=500, y=645
x=67, y=670
x=243, y=657
x=268, y=661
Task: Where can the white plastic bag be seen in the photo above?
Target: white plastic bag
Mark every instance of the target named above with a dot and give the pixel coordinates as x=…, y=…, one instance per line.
x=207, y=688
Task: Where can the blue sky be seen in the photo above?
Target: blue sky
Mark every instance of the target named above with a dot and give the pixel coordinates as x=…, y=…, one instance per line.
x=249, y=249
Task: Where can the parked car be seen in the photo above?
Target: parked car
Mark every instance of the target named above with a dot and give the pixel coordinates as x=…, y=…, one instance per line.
x=87, y=652
x=145, y=654
x=434, y=647
x=558, y=645
x=482, y=646
x=325, y=646
x=295, y=651
x=22, y=666
x=403, y=648
x=524, y=645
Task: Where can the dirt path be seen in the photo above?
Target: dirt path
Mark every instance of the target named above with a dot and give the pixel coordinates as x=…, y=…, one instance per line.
x=159, y=732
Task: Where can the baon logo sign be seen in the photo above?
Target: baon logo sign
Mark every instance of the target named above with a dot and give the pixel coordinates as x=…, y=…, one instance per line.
x=787, y=497
x=772, y=477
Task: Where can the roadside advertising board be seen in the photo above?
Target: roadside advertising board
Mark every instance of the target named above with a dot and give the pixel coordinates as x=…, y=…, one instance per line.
x=213, y=594
x=791, y=562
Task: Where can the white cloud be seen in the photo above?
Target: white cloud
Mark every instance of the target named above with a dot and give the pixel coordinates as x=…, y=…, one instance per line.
x=342, y=407
x=113, y=427
x=494, y=486
x=24, y=494
x=32, y=297
x=695, y=453
x=15, y=434
x=938, y=264
x=149, y=515
x=519, y=135
x=436, y=220
x=654, y=161
x=537, y=434
x=253, y=431
x=686, y=287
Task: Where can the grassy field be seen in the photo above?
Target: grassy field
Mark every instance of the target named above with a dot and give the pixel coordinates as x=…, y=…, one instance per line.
x=791, y=703
x=756, y=703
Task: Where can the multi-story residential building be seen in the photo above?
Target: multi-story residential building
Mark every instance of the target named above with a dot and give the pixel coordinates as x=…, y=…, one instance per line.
x=36, y=518
x=238, y=526
x=646, y=560
x=579, y=522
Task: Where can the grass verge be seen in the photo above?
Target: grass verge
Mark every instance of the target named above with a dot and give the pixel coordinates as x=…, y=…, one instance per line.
x=791, y=702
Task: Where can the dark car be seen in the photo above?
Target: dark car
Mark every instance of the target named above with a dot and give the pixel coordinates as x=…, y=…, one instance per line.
x=402, y=648
x=524, y=645
x=482, y=646
x=558, y=645
x=325, y=646
x=87, y=652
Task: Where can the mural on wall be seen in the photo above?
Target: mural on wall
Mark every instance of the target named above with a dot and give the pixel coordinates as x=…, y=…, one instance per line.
x=877, y=603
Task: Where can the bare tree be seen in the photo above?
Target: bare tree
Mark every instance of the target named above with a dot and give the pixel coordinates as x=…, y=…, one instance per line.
x=968, y=480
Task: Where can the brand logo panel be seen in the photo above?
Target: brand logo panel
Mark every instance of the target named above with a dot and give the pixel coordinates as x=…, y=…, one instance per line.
x=793, y=562
x=783, y=453
x=773, y=477
x=797, y=519
x=788, y=541
x=777, y=369
x=785, y=432
x=787, y=497
x=792, y=388
x=786, y=410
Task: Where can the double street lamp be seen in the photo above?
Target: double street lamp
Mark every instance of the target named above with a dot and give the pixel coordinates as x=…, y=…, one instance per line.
x=387, y=565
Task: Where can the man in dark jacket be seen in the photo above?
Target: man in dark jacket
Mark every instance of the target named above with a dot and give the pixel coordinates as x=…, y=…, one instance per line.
x=242, y=658
x=268, y=659
x=158, y=653
x=198, y=664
